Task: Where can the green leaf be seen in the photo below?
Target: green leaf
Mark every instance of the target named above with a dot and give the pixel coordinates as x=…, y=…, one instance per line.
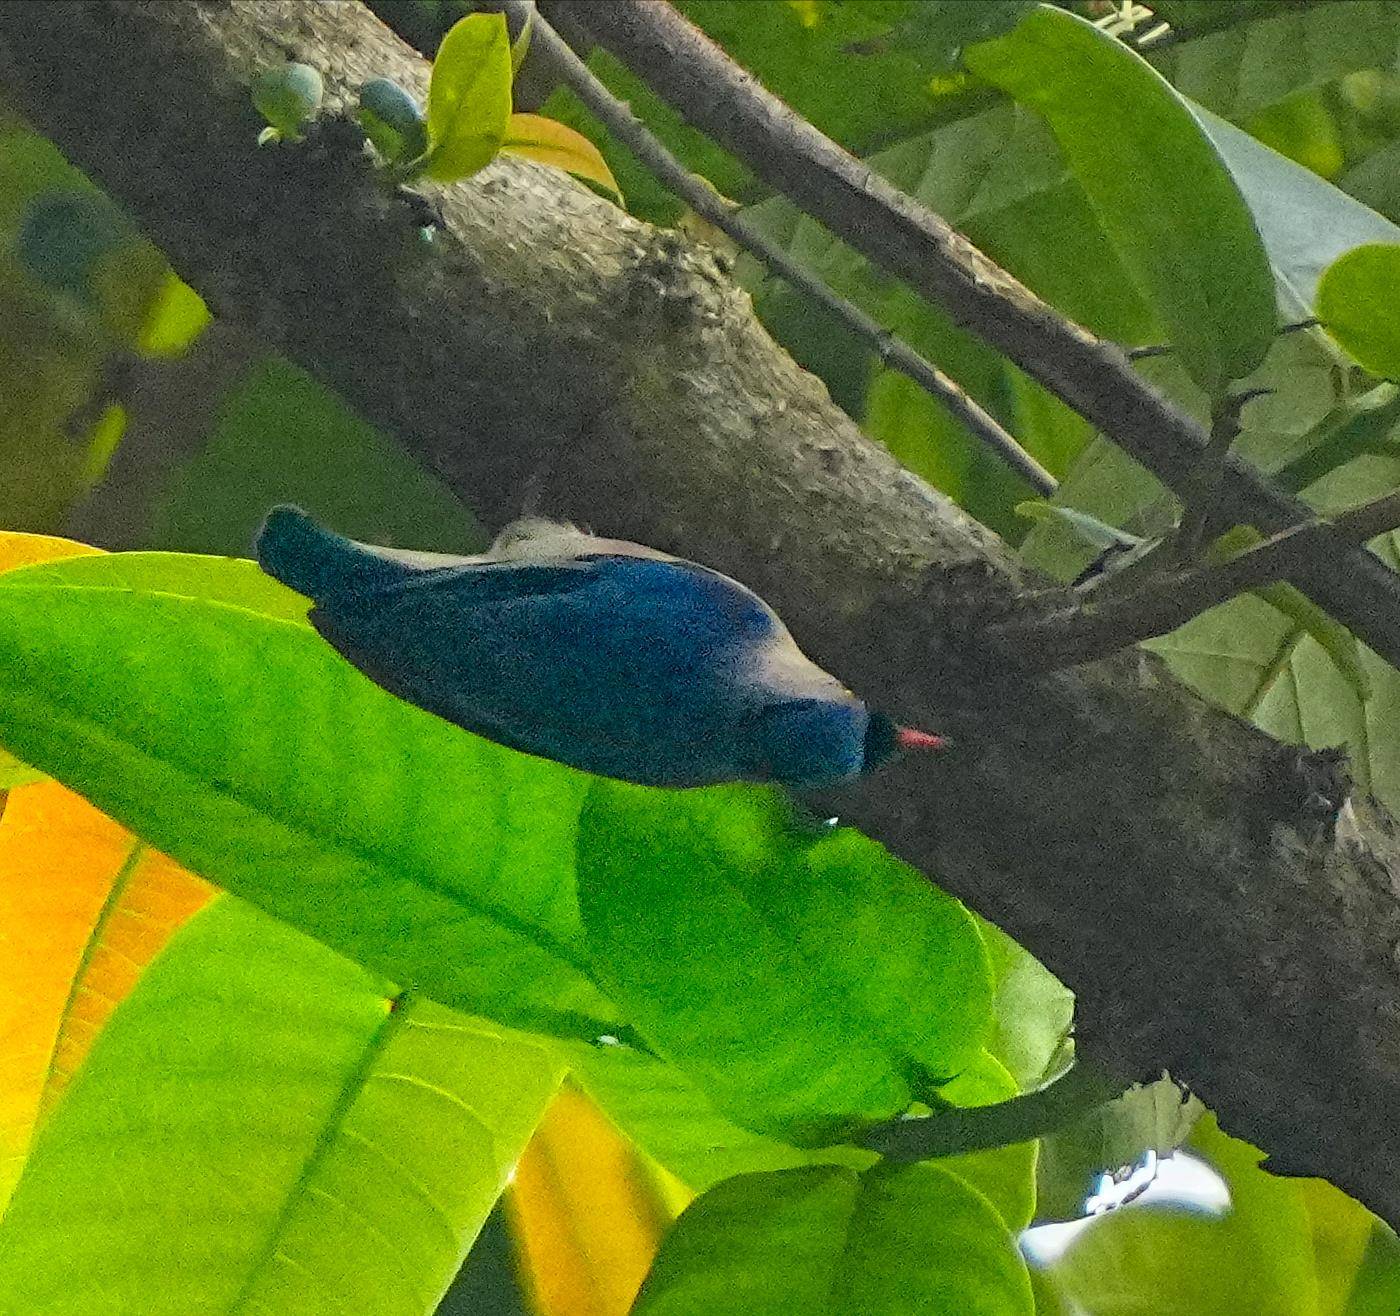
x=828, y=1242
x=1341, y=645
x=667, y=1115
x=805, y=984
x=244, y=747
x=1098, y=534
x=468, y=97
x=14, y=773
x=234, y=581
x=1172, y=1263
x=1376, y=1290
x=261, y=1128
x=1304, y=221
x=1005, y=1175
x=1261, y=1256
x=1157, y=184
x=1033, y=1010
x=1271, y=54
x=864, y=73
x=1152, y=1117
x=282, y=436
x=520, y=47
x=1356, y=302
x=664, y=1111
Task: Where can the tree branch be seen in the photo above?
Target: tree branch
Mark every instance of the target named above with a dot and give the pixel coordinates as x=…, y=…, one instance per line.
x=618, y=118
x=1104, y=624
x=910, y=242
x=1105, y=817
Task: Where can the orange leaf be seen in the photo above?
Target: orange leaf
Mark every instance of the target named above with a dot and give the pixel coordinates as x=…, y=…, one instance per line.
x=83, y=908
x=546, y=142
x=585, y=1211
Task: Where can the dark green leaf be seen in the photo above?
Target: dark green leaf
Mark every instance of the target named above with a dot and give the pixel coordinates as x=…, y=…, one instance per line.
x=1156, y=183
x=1270, y=54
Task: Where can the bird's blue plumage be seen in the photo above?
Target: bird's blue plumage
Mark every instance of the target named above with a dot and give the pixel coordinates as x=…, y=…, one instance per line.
x=591, y=652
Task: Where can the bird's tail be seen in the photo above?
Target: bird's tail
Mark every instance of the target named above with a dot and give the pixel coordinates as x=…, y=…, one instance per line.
x=318, y=562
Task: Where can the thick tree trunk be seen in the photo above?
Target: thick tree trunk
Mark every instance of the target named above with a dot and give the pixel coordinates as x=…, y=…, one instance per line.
x=1135, y=839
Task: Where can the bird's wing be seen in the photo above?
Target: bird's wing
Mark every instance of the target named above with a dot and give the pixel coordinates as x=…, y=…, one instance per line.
x=588, y=661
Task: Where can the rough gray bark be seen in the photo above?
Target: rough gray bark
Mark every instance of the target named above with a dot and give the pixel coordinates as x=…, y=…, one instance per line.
x=1143, y=844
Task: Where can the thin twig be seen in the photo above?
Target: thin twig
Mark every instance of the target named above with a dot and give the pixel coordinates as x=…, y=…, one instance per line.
x=619, y=119
x=1204, y=504
x=948, y=1132
x=908, y=241
x=1102, y=626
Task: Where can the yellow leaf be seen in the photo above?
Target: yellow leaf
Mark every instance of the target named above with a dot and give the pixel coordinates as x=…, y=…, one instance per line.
x=83, y=908
x=21, y=550
x=546, y=142
x=586, y=1212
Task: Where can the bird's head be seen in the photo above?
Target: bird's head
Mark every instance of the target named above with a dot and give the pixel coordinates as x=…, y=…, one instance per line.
x=808, y=744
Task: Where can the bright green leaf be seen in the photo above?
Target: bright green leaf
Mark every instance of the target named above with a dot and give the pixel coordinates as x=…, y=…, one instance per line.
x=468, y=97
x=1005, y=1176
x=666, y=1114
x=1172, y=1263
x=1356, y=301
x=260, y=1128
x=828, y=1242
x=1376, y=1289
x=1157, y=184
x=14, y=773
x=806, y=984
x=244, y=747
x=235, y=581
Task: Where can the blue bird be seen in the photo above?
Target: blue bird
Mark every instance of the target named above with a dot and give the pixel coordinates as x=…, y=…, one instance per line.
x=598, y=653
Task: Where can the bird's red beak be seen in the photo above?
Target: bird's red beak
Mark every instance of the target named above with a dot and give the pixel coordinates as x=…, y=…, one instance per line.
x=906, y=738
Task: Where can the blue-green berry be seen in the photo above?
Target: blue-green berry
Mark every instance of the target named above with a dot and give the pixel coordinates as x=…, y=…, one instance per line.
x=287, y=96
x=392, y=120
